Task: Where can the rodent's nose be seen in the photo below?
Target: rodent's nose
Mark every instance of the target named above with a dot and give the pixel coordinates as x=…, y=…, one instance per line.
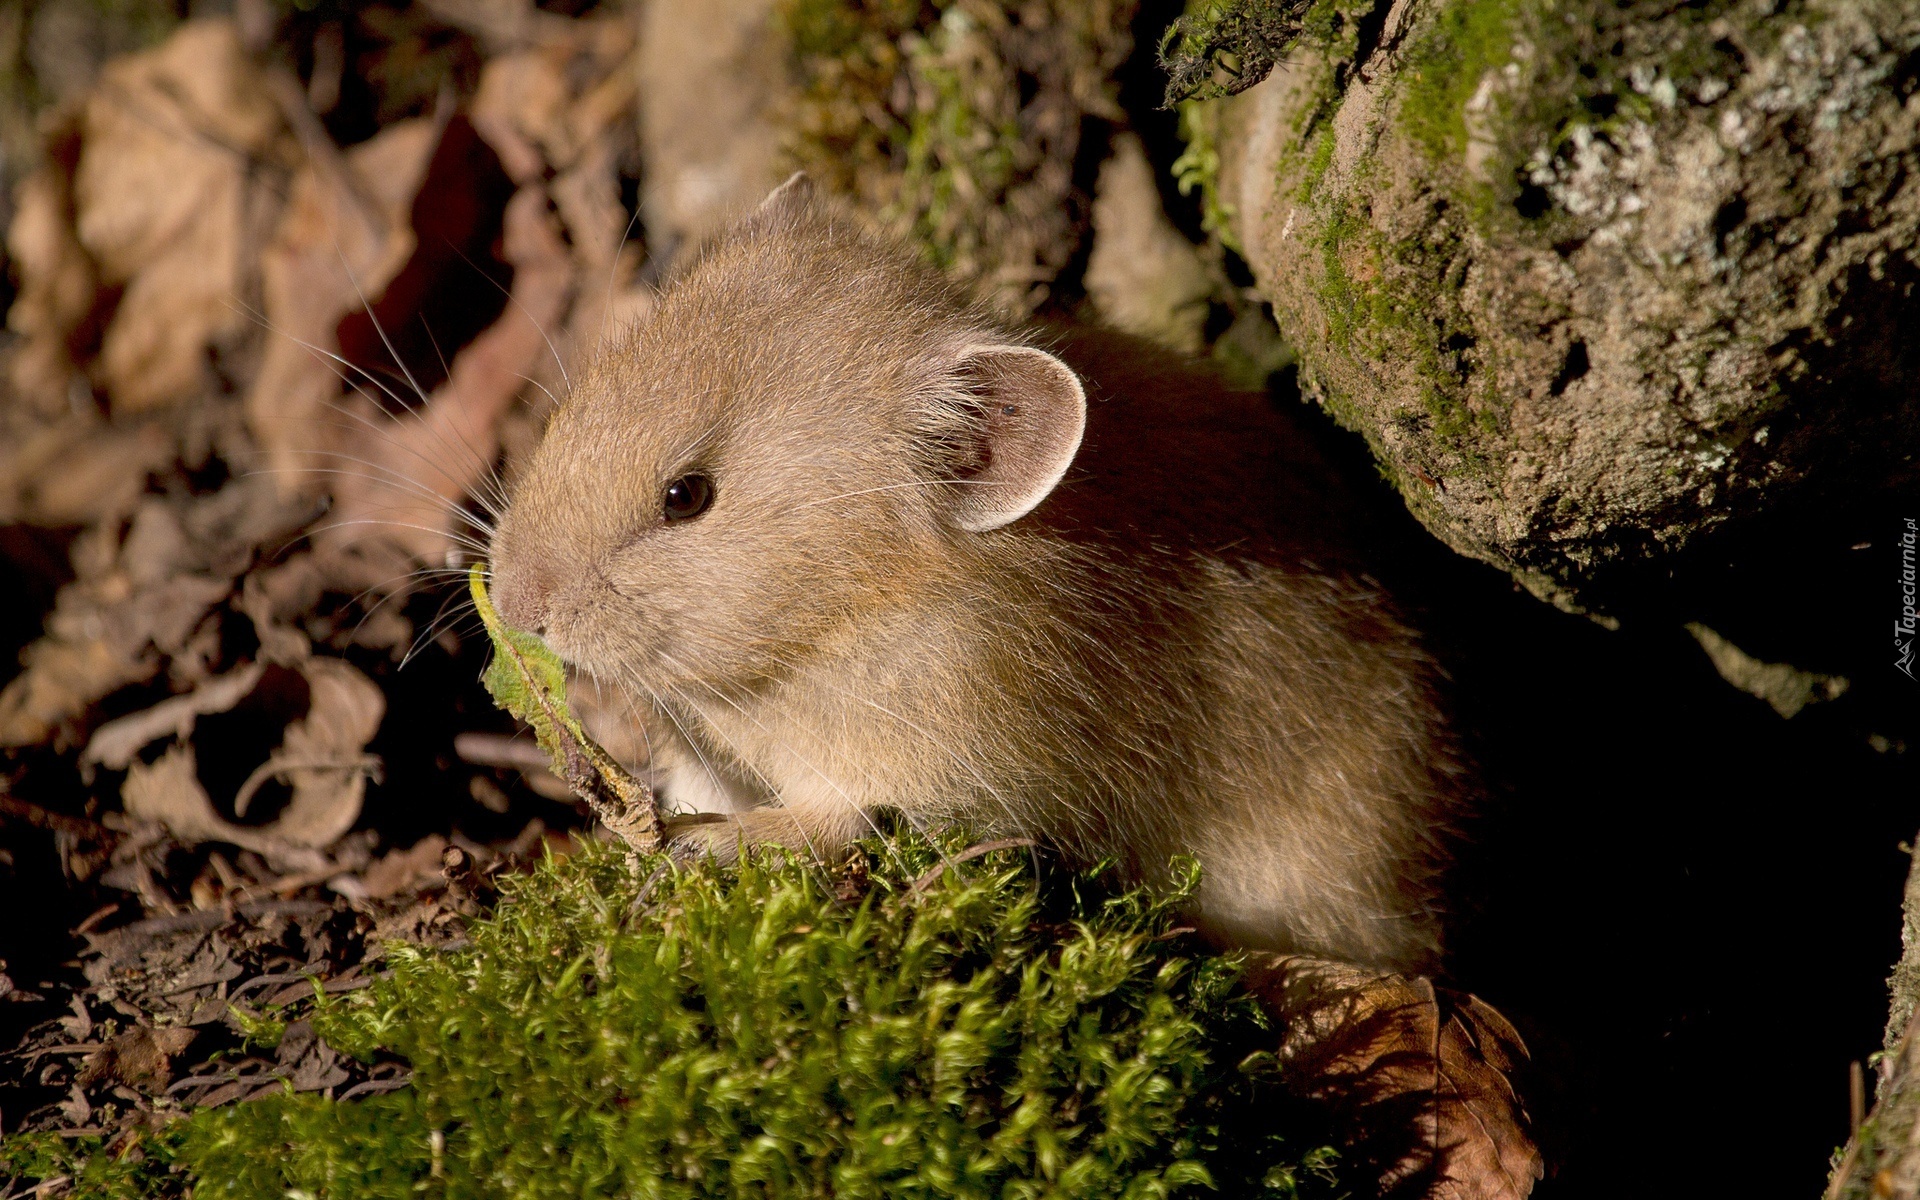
x=521, y=598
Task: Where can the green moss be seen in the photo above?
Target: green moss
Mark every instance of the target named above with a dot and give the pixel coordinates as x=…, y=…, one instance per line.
x=1319, y=158
x=774, y=1030
x=1469, y=39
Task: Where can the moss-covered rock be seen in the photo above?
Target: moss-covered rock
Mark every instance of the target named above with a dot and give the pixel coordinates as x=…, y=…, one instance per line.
x=959, y=122
x=1594, y=277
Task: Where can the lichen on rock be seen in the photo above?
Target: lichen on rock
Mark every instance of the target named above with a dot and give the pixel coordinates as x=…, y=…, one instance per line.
x=1586, y=275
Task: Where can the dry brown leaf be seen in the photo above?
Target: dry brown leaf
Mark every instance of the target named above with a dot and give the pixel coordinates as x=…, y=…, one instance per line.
x=81, y=469
x=140, y=600
x=170, y=206
x=540, y=119
x=521, y=107
x=280, y=643
x=57, y=287
x=503, y=25
x=587, y=196
x=1417, y=1078
x=539, y=96
x=141, y=1057
x=102, y=636
x=167, y=792
x=412, y=869
x=343, y=237
x=423, y=465
x=324, y=755
x=115, y=744
x=102, y=477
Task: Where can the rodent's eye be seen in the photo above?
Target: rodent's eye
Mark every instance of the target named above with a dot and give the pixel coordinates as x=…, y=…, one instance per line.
x=686, y=497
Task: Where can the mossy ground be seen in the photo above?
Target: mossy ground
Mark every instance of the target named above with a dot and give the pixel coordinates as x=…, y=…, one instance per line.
x=900, y=1029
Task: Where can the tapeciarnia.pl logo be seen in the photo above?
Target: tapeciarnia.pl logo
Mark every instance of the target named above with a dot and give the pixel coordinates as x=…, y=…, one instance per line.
x=1903, y=626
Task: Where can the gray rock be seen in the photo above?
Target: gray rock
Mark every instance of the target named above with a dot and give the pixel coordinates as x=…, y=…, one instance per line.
x=1594, y=280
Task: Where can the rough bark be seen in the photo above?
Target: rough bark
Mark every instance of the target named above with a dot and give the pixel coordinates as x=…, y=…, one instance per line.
x=1594, y=278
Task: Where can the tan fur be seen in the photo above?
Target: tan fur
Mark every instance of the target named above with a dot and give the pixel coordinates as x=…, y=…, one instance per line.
x=1174, y=652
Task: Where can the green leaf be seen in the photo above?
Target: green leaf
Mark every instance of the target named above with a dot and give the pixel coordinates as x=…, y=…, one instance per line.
x=525, y=677
x=528, y=680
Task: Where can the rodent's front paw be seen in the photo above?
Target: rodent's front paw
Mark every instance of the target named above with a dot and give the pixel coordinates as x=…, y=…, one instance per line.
x=697, y=836
x=710, y=835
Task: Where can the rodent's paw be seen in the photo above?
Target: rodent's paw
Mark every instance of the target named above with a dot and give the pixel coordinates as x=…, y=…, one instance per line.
x=703, y=835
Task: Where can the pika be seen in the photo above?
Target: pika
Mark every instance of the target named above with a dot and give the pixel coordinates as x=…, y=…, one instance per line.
x=854, y=545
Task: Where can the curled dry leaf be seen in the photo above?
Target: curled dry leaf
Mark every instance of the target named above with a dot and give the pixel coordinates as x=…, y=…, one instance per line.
x=139, y=600
x=115, y=744
x=170, y=205
x=529, y=681
x=322, y=757
x=167, y=792
x=1417, y=1078
x=420, y=467
x=343, y=237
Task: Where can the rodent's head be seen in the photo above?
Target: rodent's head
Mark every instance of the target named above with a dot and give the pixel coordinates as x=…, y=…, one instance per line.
x=808, y=426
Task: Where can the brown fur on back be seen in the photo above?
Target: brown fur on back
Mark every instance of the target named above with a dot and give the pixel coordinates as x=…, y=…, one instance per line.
x=1176, y=651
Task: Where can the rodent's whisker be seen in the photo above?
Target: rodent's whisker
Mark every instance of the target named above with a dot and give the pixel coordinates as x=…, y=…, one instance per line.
x=380, y=329
x=390, y=478
x=479, y=548
x=515, y=301
x=528, y=379
x=337, y=362
x=387, y=432
x=772, y=791
x=645, y=728
x=659, y=702
x=453, y=607
x=345, y=370
x=613, y=272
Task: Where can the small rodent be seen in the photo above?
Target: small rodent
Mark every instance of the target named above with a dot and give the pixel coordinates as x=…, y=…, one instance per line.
x=862, y=546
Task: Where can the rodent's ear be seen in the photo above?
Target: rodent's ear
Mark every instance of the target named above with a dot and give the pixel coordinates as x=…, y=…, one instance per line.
x=1031, y=413
x=795, y=193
